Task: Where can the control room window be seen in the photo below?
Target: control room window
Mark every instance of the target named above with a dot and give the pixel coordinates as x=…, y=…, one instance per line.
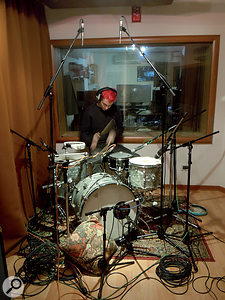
x=189, y=65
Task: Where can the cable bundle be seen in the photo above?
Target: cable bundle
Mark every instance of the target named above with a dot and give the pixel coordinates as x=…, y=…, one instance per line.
x=40, y=260
x=174, y=270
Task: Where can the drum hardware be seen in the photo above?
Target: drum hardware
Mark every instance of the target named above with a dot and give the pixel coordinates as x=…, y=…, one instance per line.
x=65, y=170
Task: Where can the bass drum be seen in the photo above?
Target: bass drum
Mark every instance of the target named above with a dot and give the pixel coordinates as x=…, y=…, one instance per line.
x=103, y=190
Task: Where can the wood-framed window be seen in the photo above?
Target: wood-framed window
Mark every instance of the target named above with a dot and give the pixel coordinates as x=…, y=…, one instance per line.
x=188, y=63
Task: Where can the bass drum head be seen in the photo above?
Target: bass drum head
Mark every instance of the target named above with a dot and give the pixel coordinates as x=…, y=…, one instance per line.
x=103, y=190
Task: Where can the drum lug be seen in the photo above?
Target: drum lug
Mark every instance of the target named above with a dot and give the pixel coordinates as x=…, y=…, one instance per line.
x=153, y=177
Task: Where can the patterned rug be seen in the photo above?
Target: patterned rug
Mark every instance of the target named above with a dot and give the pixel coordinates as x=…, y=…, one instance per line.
x=162, y=231
x=156, y=231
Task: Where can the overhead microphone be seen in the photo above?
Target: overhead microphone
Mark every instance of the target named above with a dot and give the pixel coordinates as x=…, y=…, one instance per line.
x=138, y=147
x=121, y=28
x=82, y=32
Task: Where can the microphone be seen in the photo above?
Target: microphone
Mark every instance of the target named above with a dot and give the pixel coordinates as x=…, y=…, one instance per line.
x=121, y=28
x=139, y=147
x=48, y=147
x=82, y=32
x=161, y=151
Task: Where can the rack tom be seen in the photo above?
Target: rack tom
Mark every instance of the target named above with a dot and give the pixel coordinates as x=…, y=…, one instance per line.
x=119, y=161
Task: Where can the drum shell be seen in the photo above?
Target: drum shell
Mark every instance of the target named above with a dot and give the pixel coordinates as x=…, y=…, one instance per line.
x=103, y=190
x=144, y=176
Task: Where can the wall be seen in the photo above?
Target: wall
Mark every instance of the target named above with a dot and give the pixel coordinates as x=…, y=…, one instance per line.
x=180, y=18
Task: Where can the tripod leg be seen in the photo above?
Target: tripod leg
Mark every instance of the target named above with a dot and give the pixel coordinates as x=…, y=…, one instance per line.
x=187, y=240
x=101, y=285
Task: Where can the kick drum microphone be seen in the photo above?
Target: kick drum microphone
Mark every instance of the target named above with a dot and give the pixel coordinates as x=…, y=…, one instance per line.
x=121, y=28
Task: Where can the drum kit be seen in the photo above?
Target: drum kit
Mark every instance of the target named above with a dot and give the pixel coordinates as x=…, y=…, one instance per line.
x=126, y=178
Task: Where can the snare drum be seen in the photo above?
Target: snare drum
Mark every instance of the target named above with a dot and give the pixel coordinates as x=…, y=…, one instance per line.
x=99, y=190
x=144, y=172
x=119, y=161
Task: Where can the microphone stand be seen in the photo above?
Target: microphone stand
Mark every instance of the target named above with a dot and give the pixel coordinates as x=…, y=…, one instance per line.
x=48, y=92
x=163, y=88
x=103, y=265
x=173, y=152
x=172, y=138
x=30, y=143
x=186, y=234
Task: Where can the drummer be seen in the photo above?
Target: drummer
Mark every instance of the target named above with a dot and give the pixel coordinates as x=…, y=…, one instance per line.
x=96, y=118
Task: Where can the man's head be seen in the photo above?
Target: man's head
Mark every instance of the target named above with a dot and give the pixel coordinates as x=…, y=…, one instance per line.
x=106, y=97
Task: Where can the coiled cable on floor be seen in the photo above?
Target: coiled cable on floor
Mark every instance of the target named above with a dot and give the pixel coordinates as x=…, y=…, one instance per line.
x=174, y=270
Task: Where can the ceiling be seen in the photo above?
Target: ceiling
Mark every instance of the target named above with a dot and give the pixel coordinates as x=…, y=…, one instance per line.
x=102, y=3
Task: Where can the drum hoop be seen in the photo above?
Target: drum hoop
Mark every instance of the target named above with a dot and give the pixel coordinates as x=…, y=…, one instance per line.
x=120, y=158
x=144, y=166
x=137, y=161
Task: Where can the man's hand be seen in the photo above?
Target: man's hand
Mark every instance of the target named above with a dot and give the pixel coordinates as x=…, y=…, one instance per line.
x=111, y=137
x=95, y=140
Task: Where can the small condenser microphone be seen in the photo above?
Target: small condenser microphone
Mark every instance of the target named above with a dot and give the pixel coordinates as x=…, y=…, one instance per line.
x=82, y=32
x=121, y=28
x=161, y=151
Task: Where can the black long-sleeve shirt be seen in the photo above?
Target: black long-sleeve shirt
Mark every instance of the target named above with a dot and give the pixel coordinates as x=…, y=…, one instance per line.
x=95, y=119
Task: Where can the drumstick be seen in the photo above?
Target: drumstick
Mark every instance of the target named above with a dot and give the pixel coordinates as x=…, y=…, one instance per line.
x=108, y=127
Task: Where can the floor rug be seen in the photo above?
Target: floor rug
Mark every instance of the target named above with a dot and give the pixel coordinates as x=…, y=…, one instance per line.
x=161, y=230
x=157, y=231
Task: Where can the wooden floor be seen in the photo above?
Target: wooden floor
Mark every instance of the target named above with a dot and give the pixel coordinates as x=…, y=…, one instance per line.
x=146, y=286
